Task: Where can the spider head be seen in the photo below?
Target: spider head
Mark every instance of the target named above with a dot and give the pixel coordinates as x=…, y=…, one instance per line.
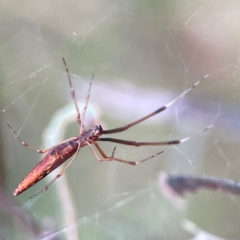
x=97, y=131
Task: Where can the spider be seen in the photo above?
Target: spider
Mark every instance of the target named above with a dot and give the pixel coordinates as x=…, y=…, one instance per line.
x=58, y=154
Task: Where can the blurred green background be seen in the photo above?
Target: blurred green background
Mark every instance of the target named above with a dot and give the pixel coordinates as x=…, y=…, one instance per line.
x=143, y=54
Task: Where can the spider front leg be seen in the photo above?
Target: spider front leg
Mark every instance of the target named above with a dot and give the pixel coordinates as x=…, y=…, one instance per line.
x=161, y=109
x=105, y=158
x=139, y=144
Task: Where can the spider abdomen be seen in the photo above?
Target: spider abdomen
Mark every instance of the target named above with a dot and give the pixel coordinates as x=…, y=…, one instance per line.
x=53, y=159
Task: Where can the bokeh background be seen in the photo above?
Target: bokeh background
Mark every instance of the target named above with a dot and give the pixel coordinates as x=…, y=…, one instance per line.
x=143, y=54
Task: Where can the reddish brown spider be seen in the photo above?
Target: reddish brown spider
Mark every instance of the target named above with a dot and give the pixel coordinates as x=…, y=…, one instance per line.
x=58, y=154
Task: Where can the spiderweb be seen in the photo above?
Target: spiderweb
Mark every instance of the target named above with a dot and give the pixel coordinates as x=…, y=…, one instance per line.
x=143, y=54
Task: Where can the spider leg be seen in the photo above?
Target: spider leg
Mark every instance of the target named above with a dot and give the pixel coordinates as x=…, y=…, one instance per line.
x=100, y=150
x=161, y=109
x=32, y=148
x=58, y=176
x=117, y=159
x=26, y=144
x=82, y=129
x=138, y=144
x=73, y=93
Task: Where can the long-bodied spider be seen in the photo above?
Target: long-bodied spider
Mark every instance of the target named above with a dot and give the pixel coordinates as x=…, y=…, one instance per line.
x=58, y=154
